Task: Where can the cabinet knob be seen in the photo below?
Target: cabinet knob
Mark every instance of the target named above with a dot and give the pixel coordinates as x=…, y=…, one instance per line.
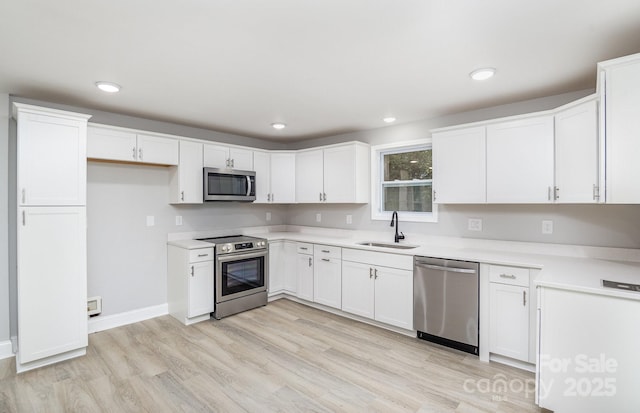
x=309, y=261
x=182, y=195
x=192, y=271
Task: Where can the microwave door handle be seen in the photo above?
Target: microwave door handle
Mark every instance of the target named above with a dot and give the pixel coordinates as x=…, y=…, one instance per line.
x=248, y=185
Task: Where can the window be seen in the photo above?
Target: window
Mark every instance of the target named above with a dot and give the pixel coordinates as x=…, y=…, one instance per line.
x=403, y=182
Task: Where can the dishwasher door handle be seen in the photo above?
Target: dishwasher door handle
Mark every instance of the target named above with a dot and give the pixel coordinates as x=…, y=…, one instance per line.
x=441, y=268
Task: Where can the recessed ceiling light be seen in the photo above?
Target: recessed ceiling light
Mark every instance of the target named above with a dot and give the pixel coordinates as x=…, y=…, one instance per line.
x=413, y=161
x=278, y=125
x=482, y=74
x=389, y=119
x=108, y=87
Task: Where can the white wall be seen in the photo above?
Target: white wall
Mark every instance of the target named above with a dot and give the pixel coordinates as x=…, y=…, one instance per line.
x=127, y=259
x=4, y=216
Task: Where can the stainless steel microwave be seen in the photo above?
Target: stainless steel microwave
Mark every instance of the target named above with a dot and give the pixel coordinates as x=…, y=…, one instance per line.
x=229, y=185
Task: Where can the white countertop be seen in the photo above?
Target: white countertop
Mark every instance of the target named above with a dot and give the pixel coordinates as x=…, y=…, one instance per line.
x=575, y=268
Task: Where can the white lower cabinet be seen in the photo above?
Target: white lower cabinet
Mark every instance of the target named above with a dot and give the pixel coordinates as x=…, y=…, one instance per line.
x=290, y=265
x=304, y=269
x=276, y=267
x=52, y=284
x=190, y=283
x=327, y=275
x=509, y=312
x=371, y=290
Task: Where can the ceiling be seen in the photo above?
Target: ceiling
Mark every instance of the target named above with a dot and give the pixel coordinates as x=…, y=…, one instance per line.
x=323, y=67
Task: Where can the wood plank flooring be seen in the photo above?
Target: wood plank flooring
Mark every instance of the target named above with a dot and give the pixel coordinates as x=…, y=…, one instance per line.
x=285, y=357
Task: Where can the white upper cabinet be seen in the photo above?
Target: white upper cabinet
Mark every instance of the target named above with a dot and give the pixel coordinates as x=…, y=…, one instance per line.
x=520, y=161
x=185, y=180
x=51, y=156
x=333, y=174
x=118, y=144
x=576, y=153
x=220, y=156
x=275, y=177
x=459, y=166
x=619, y=86
x=309, y=176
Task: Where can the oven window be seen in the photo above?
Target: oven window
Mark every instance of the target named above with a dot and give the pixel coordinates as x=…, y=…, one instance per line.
x=242, y=275
x=227, y=184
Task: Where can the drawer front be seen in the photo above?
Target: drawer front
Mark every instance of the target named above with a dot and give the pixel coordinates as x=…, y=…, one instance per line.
x=304, y=248
x=382, y=259
x=509, y=275
x=201, y=254
x=325, y=251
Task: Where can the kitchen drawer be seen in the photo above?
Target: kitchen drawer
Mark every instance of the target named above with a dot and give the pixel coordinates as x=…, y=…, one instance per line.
x=304, y=248
x=325, y=251
x=509, y=275
x=201, y=254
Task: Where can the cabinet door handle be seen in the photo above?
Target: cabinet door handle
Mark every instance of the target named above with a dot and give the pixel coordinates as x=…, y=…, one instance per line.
x=375, y=273
x=24, y=219
x=268, y=197
x=548, y=193
x=509, y=276
x=233, y=163
x=320, y=196
x=326, y=259
x=182, y=195
x=596, y=192
x=324, y=197
x=524, y=298
x=304, y=248
x=326, y=251
x=555, y=193
x=140, y=153
x=309, y=261
x=273, y=198
x=203, y=255
x=434, y=196
x=192, y=271
x=370, y=272
x=23, y=195
x=134, y=153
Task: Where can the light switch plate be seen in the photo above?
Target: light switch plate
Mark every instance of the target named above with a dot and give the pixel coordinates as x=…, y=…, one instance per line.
x=318, y=218
x=474, y=224
x=547, y=227
x=349, y=219
x=178, y=219
x=268, y=216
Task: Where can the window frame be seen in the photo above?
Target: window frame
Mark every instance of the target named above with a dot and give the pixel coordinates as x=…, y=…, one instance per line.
x=377, y=174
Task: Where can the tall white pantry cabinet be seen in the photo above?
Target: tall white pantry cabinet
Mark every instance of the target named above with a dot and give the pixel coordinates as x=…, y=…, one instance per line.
x=51, y=235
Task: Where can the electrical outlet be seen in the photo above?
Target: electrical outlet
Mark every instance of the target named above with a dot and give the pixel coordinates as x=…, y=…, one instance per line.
x=94, y=305
x=178, y=219
x=151, y=220
x=268, y=216
x=349, y=219
x=547, y=227
x=474, y=224
x=318, y=218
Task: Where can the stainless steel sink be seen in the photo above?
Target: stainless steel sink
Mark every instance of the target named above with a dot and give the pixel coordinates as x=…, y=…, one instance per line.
x=388, y=245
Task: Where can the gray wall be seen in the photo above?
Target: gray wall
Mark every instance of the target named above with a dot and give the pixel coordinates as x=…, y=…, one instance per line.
x=4, y=216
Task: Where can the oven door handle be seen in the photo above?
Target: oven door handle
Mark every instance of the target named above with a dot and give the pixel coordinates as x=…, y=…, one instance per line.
x=248, y=185
x=240, y=256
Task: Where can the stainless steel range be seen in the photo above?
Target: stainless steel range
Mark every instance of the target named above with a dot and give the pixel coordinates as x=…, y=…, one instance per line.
x=241, y=273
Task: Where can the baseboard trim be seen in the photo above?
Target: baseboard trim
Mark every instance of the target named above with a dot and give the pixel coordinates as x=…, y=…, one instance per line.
x=6, y=349
x=101, y=323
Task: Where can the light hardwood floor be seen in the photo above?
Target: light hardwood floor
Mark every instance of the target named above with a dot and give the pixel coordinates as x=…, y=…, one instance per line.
x=283, y=357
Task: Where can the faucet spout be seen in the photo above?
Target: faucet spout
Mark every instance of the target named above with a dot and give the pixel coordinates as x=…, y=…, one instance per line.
x=394, y=220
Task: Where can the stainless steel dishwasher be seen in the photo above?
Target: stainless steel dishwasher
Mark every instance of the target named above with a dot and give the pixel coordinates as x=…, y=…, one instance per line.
x=445, y=302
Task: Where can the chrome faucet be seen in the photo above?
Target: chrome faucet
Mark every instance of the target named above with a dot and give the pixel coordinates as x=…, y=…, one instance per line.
x=394, y=219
